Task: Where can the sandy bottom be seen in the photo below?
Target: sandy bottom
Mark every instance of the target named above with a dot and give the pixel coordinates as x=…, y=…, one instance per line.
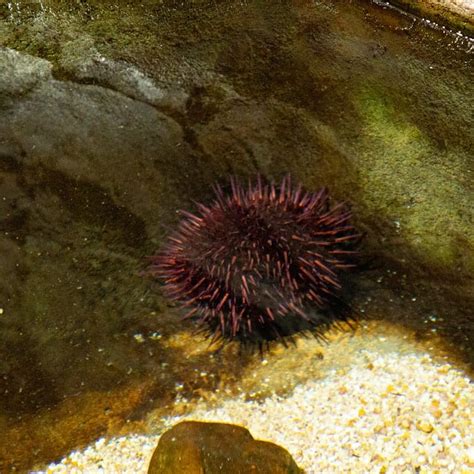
x=389, y=414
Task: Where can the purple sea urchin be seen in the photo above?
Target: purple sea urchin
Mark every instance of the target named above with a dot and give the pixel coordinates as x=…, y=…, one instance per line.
x=260, y=262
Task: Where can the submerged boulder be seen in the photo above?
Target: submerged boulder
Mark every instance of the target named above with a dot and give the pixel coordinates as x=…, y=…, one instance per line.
x=193, y=447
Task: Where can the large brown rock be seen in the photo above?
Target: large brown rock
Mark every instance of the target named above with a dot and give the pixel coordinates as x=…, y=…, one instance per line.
x=193, y=447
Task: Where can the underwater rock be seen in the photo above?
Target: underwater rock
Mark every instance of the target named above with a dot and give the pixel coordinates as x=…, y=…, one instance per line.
x=193, y=447
x=67, y=152
x=82, y=62
x=19, y=73
x=457, y=13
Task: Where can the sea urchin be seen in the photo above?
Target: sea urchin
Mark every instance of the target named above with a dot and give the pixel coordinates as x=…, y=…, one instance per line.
x=260, y=262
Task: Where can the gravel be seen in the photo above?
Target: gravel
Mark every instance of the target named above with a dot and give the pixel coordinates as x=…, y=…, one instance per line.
x=391, y=414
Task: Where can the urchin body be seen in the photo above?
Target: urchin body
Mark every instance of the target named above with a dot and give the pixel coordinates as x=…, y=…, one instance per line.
x=258, y=258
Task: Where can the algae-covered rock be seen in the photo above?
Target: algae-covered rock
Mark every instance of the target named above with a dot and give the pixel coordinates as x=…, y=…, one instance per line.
x=192, y=447
x=422, y=192
x=20, y=73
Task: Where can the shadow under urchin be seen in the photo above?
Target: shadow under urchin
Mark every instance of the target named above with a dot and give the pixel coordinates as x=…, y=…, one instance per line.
x=261, y=262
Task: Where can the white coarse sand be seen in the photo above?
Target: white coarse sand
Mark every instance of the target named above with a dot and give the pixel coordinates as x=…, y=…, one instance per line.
x=393, y=414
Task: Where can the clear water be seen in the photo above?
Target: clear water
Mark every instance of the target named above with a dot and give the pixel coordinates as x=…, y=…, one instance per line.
x=138, y=110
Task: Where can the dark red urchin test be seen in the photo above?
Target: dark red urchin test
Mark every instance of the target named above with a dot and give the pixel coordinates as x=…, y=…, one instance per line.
x=260, y=263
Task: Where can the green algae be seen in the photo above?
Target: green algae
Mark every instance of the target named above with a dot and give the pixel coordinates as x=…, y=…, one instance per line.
x=417, y=187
